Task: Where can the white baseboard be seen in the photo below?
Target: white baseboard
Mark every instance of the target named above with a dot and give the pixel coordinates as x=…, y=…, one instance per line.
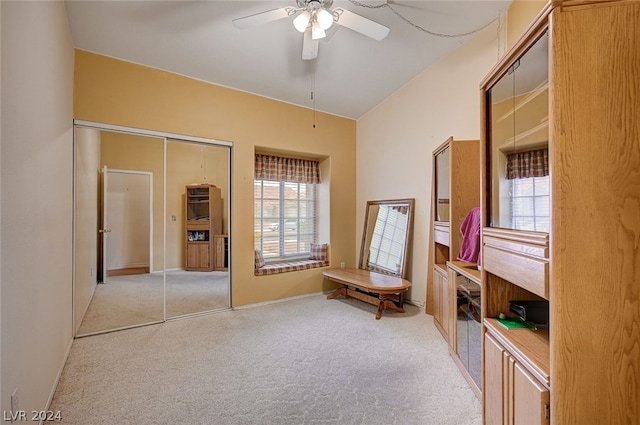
x=297, y=297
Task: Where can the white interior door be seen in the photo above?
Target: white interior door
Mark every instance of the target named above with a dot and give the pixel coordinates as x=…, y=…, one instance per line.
x=128, y=221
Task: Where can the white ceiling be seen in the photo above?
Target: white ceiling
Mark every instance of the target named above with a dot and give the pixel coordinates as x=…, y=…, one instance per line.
x=351, y=75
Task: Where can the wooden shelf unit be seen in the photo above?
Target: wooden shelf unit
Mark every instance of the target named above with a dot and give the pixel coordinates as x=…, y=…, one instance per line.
x=221, y=248
x=455, y=192
x=460, y=168
x=203, y=221
x=587, y=266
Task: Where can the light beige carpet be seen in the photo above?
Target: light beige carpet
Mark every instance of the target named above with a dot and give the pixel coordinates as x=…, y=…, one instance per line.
x=137, y=299
x=303, y=361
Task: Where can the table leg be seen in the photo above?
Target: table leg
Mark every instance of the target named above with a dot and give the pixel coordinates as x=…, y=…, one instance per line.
x=338, y=292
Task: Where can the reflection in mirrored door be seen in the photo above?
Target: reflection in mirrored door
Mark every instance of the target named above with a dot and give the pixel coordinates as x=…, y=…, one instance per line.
x=197, y=277
x=151, y=227
x=119, y=256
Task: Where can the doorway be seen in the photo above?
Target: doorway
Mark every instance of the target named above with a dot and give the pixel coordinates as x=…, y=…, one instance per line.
x=127, y=223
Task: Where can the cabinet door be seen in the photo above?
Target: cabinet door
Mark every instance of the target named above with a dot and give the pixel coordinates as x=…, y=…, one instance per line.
x=442, y=310
x=437, y=296
x=446, y=309
x=495, y=378
x=530, y=398
x=198, y=256
x=220, y=252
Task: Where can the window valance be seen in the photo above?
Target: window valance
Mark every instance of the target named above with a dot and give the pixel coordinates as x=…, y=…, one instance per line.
x=282, y=169
x=522, y=165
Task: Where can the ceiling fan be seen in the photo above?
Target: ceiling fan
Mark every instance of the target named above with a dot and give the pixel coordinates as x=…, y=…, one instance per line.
x=313, y=18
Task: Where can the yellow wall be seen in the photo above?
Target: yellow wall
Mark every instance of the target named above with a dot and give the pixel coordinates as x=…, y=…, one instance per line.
x=116, y=92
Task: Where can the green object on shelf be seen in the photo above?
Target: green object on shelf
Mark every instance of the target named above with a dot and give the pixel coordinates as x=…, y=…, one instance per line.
x=515, y=323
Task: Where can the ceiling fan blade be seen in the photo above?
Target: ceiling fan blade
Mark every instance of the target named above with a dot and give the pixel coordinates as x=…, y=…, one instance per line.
x=263, y=17
x=309, y=46
x=361, y=24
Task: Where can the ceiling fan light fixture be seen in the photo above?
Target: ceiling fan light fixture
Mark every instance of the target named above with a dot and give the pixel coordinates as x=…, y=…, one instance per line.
x=324, y=18
x=301, y=22
x=316, y=31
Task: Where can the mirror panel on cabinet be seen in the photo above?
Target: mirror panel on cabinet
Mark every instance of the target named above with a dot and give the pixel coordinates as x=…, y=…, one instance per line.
x=442, y=185
x=518, y=109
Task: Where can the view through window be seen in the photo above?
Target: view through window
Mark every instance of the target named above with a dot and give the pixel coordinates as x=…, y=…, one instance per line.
x=285, y=218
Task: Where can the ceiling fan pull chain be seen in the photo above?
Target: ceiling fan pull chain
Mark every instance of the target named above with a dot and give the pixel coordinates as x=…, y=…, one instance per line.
x=313, y=98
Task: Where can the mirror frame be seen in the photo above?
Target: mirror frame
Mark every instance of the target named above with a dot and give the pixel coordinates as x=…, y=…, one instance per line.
x=410, y=203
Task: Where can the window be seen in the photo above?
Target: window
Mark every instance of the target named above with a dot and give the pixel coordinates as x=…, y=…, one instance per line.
x=530, y=203
x=285, y=218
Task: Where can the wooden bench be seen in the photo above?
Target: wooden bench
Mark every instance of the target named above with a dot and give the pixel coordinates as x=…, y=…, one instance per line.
x=389, y=289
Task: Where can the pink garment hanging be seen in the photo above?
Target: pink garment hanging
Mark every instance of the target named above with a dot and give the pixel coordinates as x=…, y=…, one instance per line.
x=470, y=229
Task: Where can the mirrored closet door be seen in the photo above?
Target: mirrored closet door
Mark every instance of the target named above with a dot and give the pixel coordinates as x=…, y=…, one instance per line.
x=134, y=242
x=197, y=203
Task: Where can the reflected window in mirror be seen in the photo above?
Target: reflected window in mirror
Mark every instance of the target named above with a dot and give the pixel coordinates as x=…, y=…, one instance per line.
x=388, y=239
x=386, y=236
x=529, y=190
x=518, y=140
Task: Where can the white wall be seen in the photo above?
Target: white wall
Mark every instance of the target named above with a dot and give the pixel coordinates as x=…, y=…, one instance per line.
x=36, y=217
x=395, y=140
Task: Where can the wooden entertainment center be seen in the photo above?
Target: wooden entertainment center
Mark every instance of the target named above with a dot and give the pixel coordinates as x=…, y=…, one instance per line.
x=569, y=85
x=562, y=232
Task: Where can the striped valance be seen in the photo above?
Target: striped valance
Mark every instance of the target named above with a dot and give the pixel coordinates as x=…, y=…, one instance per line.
x=295, y=170
x=522, y=165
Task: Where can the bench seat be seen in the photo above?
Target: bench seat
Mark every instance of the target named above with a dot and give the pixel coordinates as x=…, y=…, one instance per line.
x=291, y=266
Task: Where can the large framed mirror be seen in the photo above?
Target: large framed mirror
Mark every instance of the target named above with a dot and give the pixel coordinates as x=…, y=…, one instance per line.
x=388, y=227
x=131, y=232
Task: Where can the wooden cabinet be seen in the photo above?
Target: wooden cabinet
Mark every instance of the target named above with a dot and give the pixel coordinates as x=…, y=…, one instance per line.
x=442, y=314
x=455, y=191
x=199, y=256
x=203, y=220
x=513, y=395
x=221, y=246
x=584, y=111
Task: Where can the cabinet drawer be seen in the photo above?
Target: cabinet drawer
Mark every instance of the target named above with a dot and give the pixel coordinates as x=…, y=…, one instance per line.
x=197, y=225
x=527, y=272
x=441, y=235
x=518, y=257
